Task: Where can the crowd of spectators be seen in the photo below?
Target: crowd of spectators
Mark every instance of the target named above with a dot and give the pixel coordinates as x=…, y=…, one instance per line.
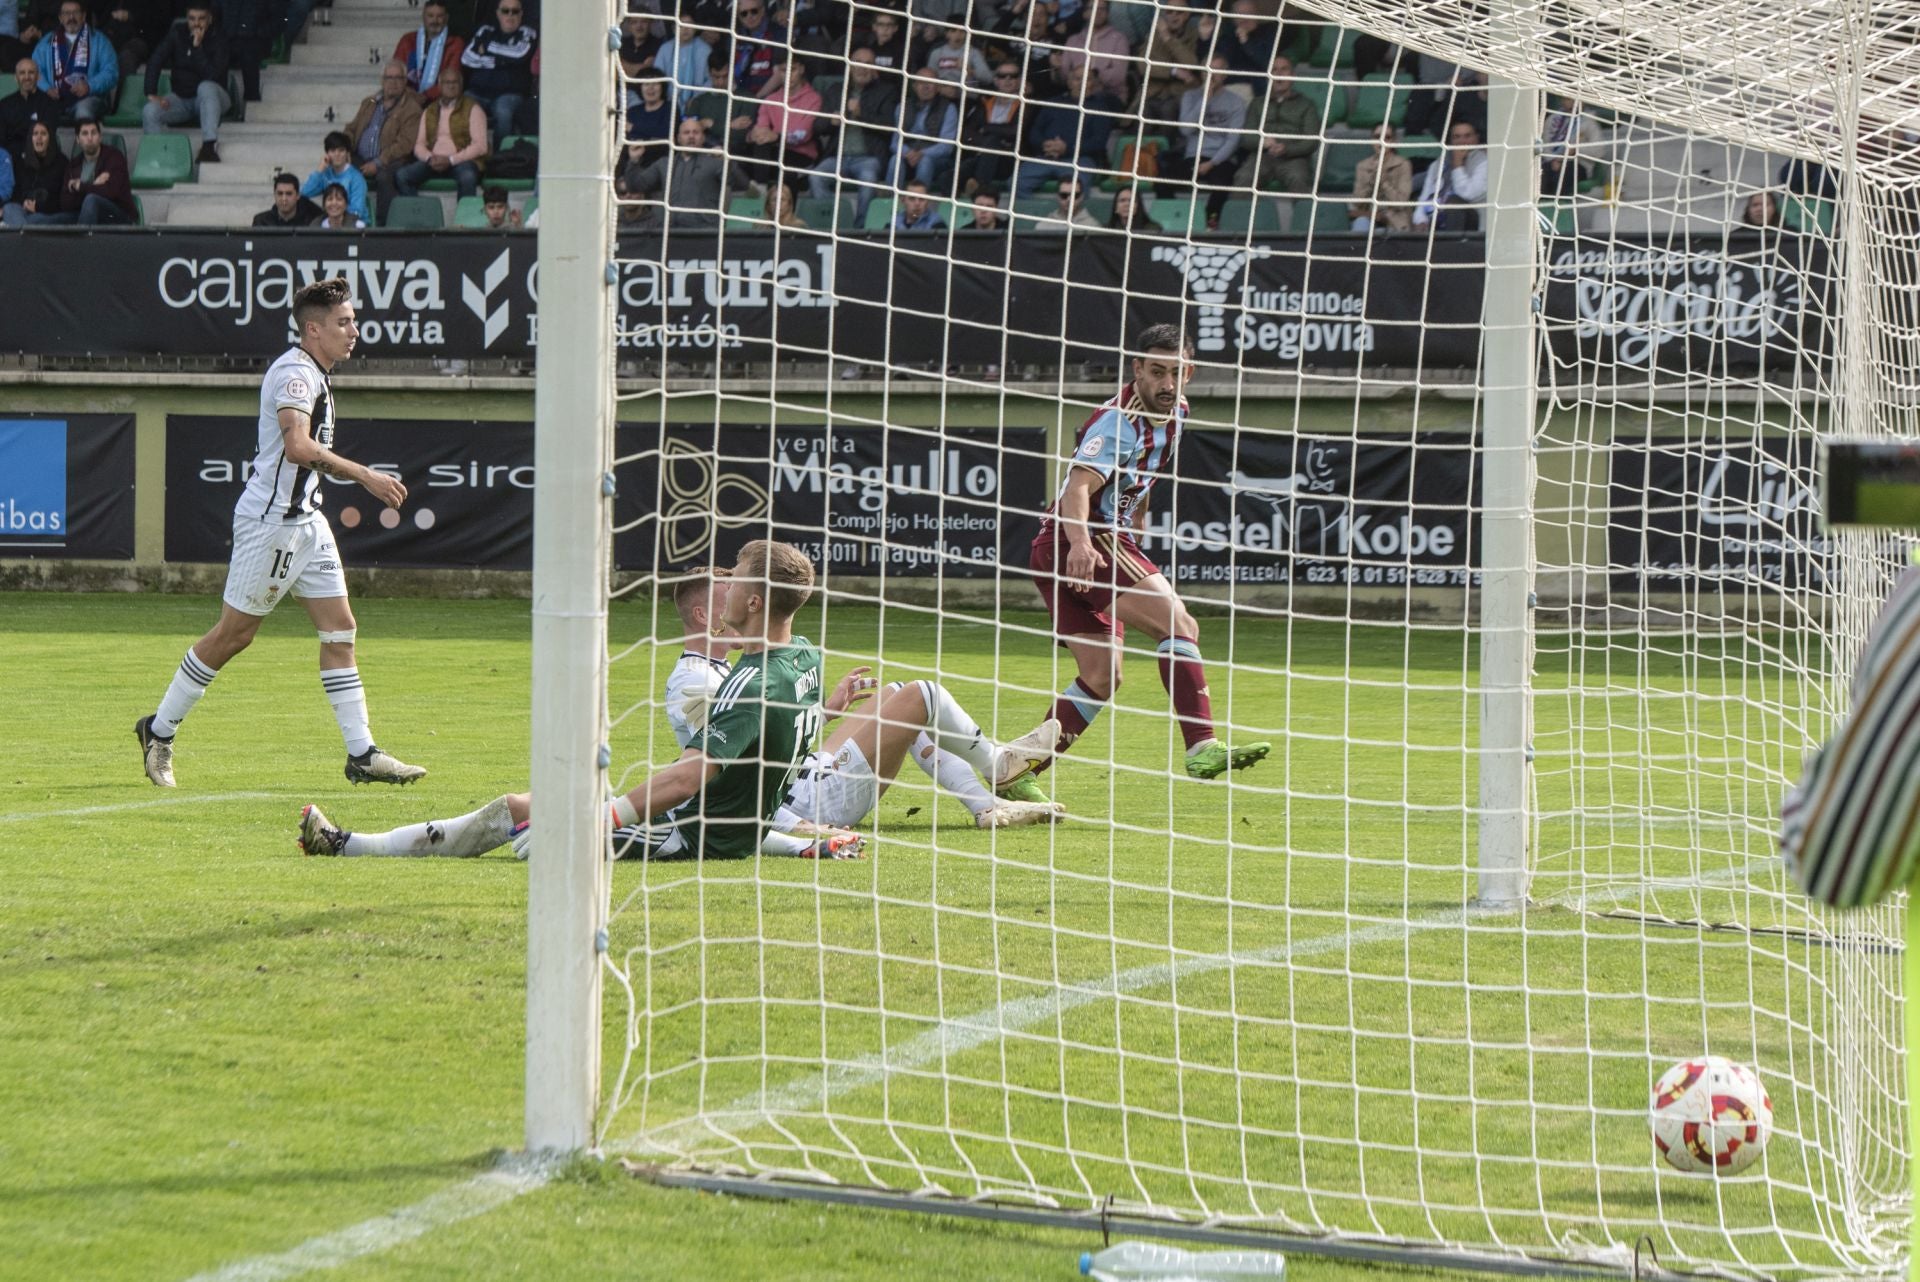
x=978, y=113
x=929, y=104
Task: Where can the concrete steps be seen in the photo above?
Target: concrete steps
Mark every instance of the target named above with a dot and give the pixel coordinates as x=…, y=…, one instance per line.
x=316, y=92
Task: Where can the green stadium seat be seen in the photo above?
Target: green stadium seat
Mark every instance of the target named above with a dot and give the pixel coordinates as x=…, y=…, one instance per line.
x=469, y=211
x=12, y=86
x=133, y=96
x=824, y=214
x=1261, y=217
x=510, y=184
x=1339, y=158
x=139, y=211
x=1117, y=149
x=277, y=56
x=1559, y=217
x=1330, y=97
x=1036, y=206
x=164, y=161
x=1318, y=217
x=1175, y=214
x=527, y=210
x=419, y=213
x=116, y=141
x=743, y=211
x=1378, y=99
x=236, y=97
x=1802, y=214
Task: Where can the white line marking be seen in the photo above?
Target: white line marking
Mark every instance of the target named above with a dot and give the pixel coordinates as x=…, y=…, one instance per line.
x=519, y=1175
x=157, y=802
x=513, y=1177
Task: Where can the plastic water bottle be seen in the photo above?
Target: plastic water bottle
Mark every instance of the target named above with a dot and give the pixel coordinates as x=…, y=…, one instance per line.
x=1152, y=1262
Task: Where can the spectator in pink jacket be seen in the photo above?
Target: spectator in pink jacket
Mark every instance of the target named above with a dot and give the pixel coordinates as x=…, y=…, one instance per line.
x=452, y=141
x=1103, y=48
x=786, y=132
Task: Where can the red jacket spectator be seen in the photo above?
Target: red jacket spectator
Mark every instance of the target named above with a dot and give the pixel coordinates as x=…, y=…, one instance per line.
x=791, y=112
x=109, y=181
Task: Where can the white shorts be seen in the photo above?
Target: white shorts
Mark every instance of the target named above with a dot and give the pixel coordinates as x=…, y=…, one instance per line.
x=835, y=789
x=276, y=559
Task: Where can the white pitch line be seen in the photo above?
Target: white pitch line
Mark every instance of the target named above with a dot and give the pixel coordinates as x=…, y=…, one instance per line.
x=155, y=803
x=513, y=1177
x=517, y=1176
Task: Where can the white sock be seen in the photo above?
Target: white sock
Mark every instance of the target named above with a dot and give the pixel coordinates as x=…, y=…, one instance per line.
x=956, y=732
x=784, y=844
x=190, y=682
x=462, y=837
x=349, y=700
x=951, y=773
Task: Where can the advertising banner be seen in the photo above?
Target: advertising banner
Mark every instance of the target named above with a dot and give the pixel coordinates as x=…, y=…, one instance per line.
x=1683, y=511
x=912, y=501
x=66, y=486
x=909, y=501
x=469, y=501
x=1336, y=305
x=1270, y=508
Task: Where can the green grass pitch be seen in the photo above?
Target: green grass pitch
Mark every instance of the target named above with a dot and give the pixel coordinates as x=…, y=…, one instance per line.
x=212, y=1049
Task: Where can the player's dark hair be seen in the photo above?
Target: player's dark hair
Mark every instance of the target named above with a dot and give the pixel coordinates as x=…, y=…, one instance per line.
x=1162, y=338
x=781, y=571
x=337, y=141
x=314, y=301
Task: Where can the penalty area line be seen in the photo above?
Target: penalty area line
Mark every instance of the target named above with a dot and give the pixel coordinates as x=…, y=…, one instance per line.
x=24, y=816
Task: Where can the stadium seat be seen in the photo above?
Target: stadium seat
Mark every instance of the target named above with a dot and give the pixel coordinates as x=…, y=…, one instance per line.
x=139, y=211
x=746, y=213
x=469, y=211
x=1333, y=47
x=828, y=87
x=236, y=97
x=419, y=213
x=879, y=214
x=1036, y=206
x=445, y=184
x=527, y=210
x=1319, y=217
x=824, y=214
x=1117, y=150
x=510, y=184
x=1261, y=217
x=1173, y=214
x=1331, y=98
x=10, y=88
x=1376, y=99
x=1802, y=214
x=133, y=96
x=164, y=160
x=118, y=142
x=1338, y=160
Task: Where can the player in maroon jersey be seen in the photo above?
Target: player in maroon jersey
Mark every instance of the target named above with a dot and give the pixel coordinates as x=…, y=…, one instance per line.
x=1093, y=576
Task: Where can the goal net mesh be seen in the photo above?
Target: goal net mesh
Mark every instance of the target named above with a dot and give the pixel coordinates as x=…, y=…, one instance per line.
x=1274, y=999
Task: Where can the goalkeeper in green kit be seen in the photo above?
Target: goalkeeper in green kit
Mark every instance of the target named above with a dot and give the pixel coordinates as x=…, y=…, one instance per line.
x=714, y=801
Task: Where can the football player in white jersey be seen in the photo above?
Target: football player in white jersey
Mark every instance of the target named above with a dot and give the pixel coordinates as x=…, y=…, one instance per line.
x=283, y=546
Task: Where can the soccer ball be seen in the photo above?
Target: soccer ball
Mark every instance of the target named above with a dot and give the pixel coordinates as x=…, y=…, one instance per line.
x=1711, y=1114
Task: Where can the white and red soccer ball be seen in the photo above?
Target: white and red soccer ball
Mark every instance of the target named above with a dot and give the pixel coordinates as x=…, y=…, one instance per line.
x=1711, y=1114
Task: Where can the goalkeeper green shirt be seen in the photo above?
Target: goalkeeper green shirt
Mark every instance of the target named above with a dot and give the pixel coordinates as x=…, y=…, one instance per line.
x=762, y=719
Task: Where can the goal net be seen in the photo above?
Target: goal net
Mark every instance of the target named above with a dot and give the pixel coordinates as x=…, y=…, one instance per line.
x=1496, y=513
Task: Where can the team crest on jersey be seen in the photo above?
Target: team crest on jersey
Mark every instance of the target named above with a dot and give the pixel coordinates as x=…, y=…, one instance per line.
x=1092, y=446
x=297, y=387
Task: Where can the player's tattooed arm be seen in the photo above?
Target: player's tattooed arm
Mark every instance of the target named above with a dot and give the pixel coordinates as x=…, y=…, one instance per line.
x=296, y=435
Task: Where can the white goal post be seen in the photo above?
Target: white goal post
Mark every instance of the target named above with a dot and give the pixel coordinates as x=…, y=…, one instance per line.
x=1496, y=512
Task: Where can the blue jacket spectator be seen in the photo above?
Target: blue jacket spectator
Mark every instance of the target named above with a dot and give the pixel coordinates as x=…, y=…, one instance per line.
x=78, y=66
x=917, y=212
x=684, y=57
x=929, y=130
x=339, y=168
x=501, y=64
x=6, y=177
